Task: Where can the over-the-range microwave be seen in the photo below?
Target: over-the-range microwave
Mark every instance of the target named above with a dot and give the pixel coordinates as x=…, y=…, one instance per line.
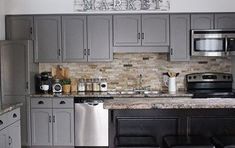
x=212, y=42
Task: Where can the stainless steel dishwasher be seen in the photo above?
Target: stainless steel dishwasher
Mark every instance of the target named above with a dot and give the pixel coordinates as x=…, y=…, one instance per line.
x=91, y=122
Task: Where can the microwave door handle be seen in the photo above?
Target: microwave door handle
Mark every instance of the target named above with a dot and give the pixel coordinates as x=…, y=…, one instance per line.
x=226, y=45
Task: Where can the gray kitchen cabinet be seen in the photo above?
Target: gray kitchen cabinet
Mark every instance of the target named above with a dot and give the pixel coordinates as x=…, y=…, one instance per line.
x=14, y=135
x=63, y=127
x=141, y=33
x=202, y=21
x=52, y=122
x=41, y=124
x=10, y=135
x=155, y=30
x=225, y=21
x=19, y=27
x=17, y=75
x=127, y=29
x=4, y=141
x=47, y=34
x=74, y=38
x=99, y=38
x=179, y=37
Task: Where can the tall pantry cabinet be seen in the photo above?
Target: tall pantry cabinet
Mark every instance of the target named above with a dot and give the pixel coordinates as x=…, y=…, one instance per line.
x=17, y=75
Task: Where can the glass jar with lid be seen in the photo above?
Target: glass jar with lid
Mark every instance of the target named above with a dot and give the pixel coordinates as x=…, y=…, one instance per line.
x=81, y=85
x=89, y=85
x=96, y=85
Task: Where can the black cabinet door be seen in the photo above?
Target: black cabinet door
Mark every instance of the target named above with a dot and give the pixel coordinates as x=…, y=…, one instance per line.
x=19, y=27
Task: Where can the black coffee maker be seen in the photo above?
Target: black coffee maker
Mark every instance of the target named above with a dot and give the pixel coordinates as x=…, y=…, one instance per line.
x=45, y=78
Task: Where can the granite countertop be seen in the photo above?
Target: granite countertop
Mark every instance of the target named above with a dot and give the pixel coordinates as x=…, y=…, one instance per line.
x=111, y=94
x=169, y=103
x=9, y=107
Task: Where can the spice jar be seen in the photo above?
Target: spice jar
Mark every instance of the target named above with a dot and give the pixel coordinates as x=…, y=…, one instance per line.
x=89, y=85
x=81, y=85
x=96, y=85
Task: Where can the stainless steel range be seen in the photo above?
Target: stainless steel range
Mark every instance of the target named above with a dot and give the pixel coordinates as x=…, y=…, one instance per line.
x=210, y=85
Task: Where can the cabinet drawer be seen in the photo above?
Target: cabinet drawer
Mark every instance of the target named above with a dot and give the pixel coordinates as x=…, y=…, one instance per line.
x=3, y=121
x=14, y=116
x=41, y=103
x=63, y=103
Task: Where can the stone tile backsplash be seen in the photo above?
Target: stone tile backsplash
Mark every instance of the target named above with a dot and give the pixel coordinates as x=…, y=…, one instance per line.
x=123, y=72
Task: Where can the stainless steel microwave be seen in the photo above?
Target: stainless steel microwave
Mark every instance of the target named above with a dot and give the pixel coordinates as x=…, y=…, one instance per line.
x=212, y=42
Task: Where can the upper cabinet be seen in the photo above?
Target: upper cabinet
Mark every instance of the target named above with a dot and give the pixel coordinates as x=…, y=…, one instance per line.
x=19, y=27
x=74, y=38
x=155, y=30
x=47, y=45
x=141, y=33
x=202, y=21
x=99, y=38
x=127, y=29
x=179, y=37
x=225, y=21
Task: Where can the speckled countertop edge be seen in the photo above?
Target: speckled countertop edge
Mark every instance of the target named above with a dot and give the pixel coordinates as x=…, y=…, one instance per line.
x=111, y=94
x=9, y=107
x=169, y=103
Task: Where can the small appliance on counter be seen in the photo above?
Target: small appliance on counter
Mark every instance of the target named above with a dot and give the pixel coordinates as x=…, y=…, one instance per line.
x=43, y=82
x=210, y=85
x=57, y=87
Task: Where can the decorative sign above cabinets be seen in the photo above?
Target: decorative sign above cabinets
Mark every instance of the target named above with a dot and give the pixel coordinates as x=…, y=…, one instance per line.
x=121, y=5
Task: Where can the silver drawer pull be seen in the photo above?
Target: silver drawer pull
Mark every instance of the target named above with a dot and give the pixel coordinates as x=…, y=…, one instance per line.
x=40, y=102
x=14, y=115
x=62, y=102
x=1, y=123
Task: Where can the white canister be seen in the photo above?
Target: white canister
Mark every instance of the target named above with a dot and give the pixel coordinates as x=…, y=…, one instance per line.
x=172, y=85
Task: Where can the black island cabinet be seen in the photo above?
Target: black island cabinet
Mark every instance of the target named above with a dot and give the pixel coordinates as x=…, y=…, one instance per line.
x=137, y=127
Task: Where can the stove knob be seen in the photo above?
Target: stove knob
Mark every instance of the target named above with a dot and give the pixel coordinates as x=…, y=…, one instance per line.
x=189, y=77
x=229, y=77
x=194, y=77
x=224, y=77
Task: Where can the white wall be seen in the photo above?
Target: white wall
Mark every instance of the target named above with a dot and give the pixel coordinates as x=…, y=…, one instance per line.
x=2, y=20
x=66, y=6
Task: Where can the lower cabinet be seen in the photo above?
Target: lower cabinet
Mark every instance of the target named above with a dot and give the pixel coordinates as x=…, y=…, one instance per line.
x=14, y=135
x=10, y=136
x=63, y=123
x=52, y=126
x=41, y=127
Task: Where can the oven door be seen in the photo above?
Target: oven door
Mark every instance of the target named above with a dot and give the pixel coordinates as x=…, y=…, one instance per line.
x=208, y=44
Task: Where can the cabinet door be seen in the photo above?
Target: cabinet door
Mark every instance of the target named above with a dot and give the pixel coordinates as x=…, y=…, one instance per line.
x=14, y=67
x=155, y=30
x=100, y=38
x=4, y=140
x=14, y=135
x=47, y=44
x=74, y=38
x=224, y=21
x=23, y=115
x=19, y=27
x=63, y=127
x=179, y=37
x=202, y=21
x=41, y=127
x=127, y=29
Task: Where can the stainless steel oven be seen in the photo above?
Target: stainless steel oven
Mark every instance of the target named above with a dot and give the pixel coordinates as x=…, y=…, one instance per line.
x=212, y=42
